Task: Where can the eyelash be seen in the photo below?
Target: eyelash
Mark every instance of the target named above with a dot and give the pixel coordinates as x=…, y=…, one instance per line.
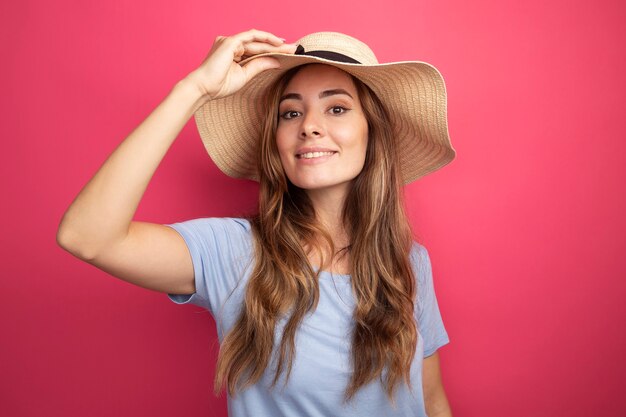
x=284, y=115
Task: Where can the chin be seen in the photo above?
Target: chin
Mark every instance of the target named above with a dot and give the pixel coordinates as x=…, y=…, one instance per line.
x=316, y=184
x=311, y=185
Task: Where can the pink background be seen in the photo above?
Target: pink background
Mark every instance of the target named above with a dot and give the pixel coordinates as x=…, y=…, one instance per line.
x=526, y=228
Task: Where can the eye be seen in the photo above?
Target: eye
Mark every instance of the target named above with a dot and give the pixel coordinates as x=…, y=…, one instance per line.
x=338, y=110
x=289, y=114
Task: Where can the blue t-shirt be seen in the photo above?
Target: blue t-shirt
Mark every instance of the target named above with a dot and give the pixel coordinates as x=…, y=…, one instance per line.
x=222, y=253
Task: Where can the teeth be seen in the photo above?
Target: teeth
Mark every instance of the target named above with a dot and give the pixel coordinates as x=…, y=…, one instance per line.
x=310, y=155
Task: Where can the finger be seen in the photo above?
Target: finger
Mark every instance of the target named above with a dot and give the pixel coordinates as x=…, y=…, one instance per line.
x=255, y=48
x=259, y=65
x=239, y=51
x=254, y=35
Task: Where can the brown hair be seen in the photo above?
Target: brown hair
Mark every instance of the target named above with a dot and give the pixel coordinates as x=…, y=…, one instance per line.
x=383, y=282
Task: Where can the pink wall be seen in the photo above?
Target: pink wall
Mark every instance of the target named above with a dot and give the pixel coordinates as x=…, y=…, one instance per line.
x=525, y=228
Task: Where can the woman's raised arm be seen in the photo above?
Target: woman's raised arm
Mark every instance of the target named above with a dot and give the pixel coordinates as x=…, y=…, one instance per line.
x=98, y=228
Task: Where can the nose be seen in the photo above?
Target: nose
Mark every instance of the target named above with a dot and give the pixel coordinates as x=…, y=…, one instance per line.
x=312, y=126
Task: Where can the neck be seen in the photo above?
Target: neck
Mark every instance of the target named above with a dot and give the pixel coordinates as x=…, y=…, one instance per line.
x=328, y=206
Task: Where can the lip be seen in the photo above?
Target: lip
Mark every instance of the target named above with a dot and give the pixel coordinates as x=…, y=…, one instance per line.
x=307, y=149
x=316, y=160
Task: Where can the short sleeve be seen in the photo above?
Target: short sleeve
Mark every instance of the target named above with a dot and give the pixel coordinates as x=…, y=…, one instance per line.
x=428, y=316
x=220, y=250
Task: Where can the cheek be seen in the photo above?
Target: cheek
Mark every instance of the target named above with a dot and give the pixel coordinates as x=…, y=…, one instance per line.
x=353, y=133
x=363, y=145
x=364, y=137
x=283, y=146
x=359, y=140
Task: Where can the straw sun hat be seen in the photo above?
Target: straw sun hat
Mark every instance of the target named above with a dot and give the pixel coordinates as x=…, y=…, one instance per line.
x=413, y=92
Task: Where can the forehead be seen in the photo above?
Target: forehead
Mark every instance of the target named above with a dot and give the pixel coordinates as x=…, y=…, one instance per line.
x=320, y=77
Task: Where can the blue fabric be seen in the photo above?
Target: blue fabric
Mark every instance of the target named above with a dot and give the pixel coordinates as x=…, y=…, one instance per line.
x=221, y=250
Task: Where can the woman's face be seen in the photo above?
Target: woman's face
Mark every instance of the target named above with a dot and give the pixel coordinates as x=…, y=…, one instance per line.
x=322, y=130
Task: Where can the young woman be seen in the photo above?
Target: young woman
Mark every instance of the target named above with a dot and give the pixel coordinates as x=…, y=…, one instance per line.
x=324, y=303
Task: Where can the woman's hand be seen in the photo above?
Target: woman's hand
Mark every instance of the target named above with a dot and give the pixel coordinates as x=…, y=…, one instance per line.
x=221, y=74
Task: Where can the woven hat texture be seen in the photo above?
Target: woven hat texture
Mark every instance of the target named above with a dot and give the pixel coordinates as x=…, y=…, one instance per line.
x=414, y=92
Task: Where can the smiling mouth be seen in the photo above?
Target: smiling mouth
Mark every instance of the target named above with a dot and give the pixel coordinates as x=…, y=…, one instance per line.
x=311, y=155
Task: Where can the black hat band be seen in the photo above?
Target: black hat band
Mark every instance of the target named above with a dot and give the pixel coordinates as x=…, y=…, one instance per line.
x=332, y=56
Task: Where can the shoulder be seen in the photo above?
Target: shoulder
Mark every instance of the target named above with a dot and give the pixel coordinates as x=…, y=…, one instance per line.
x=418, y=250
x=422, y=269
x=220, y=222
x=420, y=260
x=215, y=232
x=217, y=225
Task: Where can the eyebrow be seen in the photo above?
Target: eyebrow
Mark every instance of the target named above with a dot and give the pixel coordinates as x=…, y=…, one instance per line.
x=323, y=94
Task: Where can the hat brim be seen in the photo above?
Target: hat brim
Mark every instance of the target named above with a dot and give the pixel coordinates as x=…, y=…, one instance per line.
x=413, y=91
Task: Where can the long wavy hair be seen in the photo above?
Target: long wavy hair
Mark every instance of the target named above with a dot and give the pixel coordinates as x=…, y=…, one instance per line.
x=383, y=283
